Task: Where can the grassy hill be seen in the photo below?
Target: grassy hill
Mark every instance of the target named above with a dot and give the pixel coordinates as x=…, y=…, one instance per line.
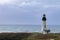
x=28, y=36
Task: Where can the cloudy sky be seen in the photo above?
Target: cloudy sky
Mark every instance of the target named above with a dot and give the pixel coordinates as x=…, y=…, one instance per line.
x=29, y=11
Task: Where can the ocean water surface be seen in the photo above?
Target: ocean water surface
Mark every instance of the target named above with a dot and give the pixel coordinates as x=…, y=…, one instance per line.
x=28, y=28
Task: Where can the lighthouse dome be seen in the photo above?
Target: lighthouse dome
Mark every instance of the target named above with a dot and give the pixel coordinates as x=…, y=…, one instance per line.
x=44, y=17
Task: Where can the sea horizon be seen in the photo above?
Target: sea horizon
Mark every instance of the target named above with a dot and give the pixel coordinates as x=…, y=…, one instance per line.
x=28, y=28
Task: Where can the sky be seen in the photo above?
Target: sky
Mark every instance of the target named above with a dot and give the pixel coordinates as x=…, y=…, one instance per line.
x=29, y=12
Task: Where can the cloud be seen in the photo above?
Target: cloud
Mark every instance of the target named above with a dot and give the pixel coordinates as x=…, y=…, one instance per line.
x=51, y=6
x=26, y=12
x=32, y=3
x=6, y=1
x=29, y=3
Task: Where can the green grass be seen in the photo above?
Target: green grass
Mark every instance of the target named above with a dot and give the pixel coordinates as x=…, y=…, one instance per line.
x=28, y=36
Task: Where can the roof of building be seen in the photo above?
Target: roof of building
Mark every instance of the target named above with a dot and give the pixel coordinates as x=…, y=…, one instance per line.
x=44, y=17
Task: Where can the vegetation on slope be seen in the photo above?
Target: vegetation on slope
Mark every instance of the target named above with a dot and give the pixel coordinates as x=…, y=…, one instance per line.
x=28, y=36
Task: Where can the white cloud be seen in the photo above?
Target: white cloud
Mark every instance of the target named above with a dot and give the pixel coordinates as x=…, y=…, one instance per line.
x=35, y=3
x=23, y=3
x=49, y=6
x=29, y=4
x=6, y=1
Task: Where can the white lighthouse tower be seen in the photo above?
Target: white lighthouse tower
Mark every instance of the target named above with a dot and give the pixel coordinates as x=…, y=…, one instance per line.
x=44, y=30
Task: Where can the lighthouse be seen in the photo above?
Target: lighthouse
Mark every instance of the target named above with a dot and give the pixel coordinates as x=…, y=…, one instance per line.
x=44, y=30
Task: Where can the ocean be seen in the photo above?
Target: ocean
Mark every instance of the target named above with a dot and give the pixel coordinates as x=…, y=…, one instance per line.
x=28, y=28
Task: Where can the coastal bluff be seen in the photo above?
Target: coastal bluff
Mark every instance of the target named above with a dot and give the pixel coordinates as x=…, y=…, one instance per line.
x=29, y=36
